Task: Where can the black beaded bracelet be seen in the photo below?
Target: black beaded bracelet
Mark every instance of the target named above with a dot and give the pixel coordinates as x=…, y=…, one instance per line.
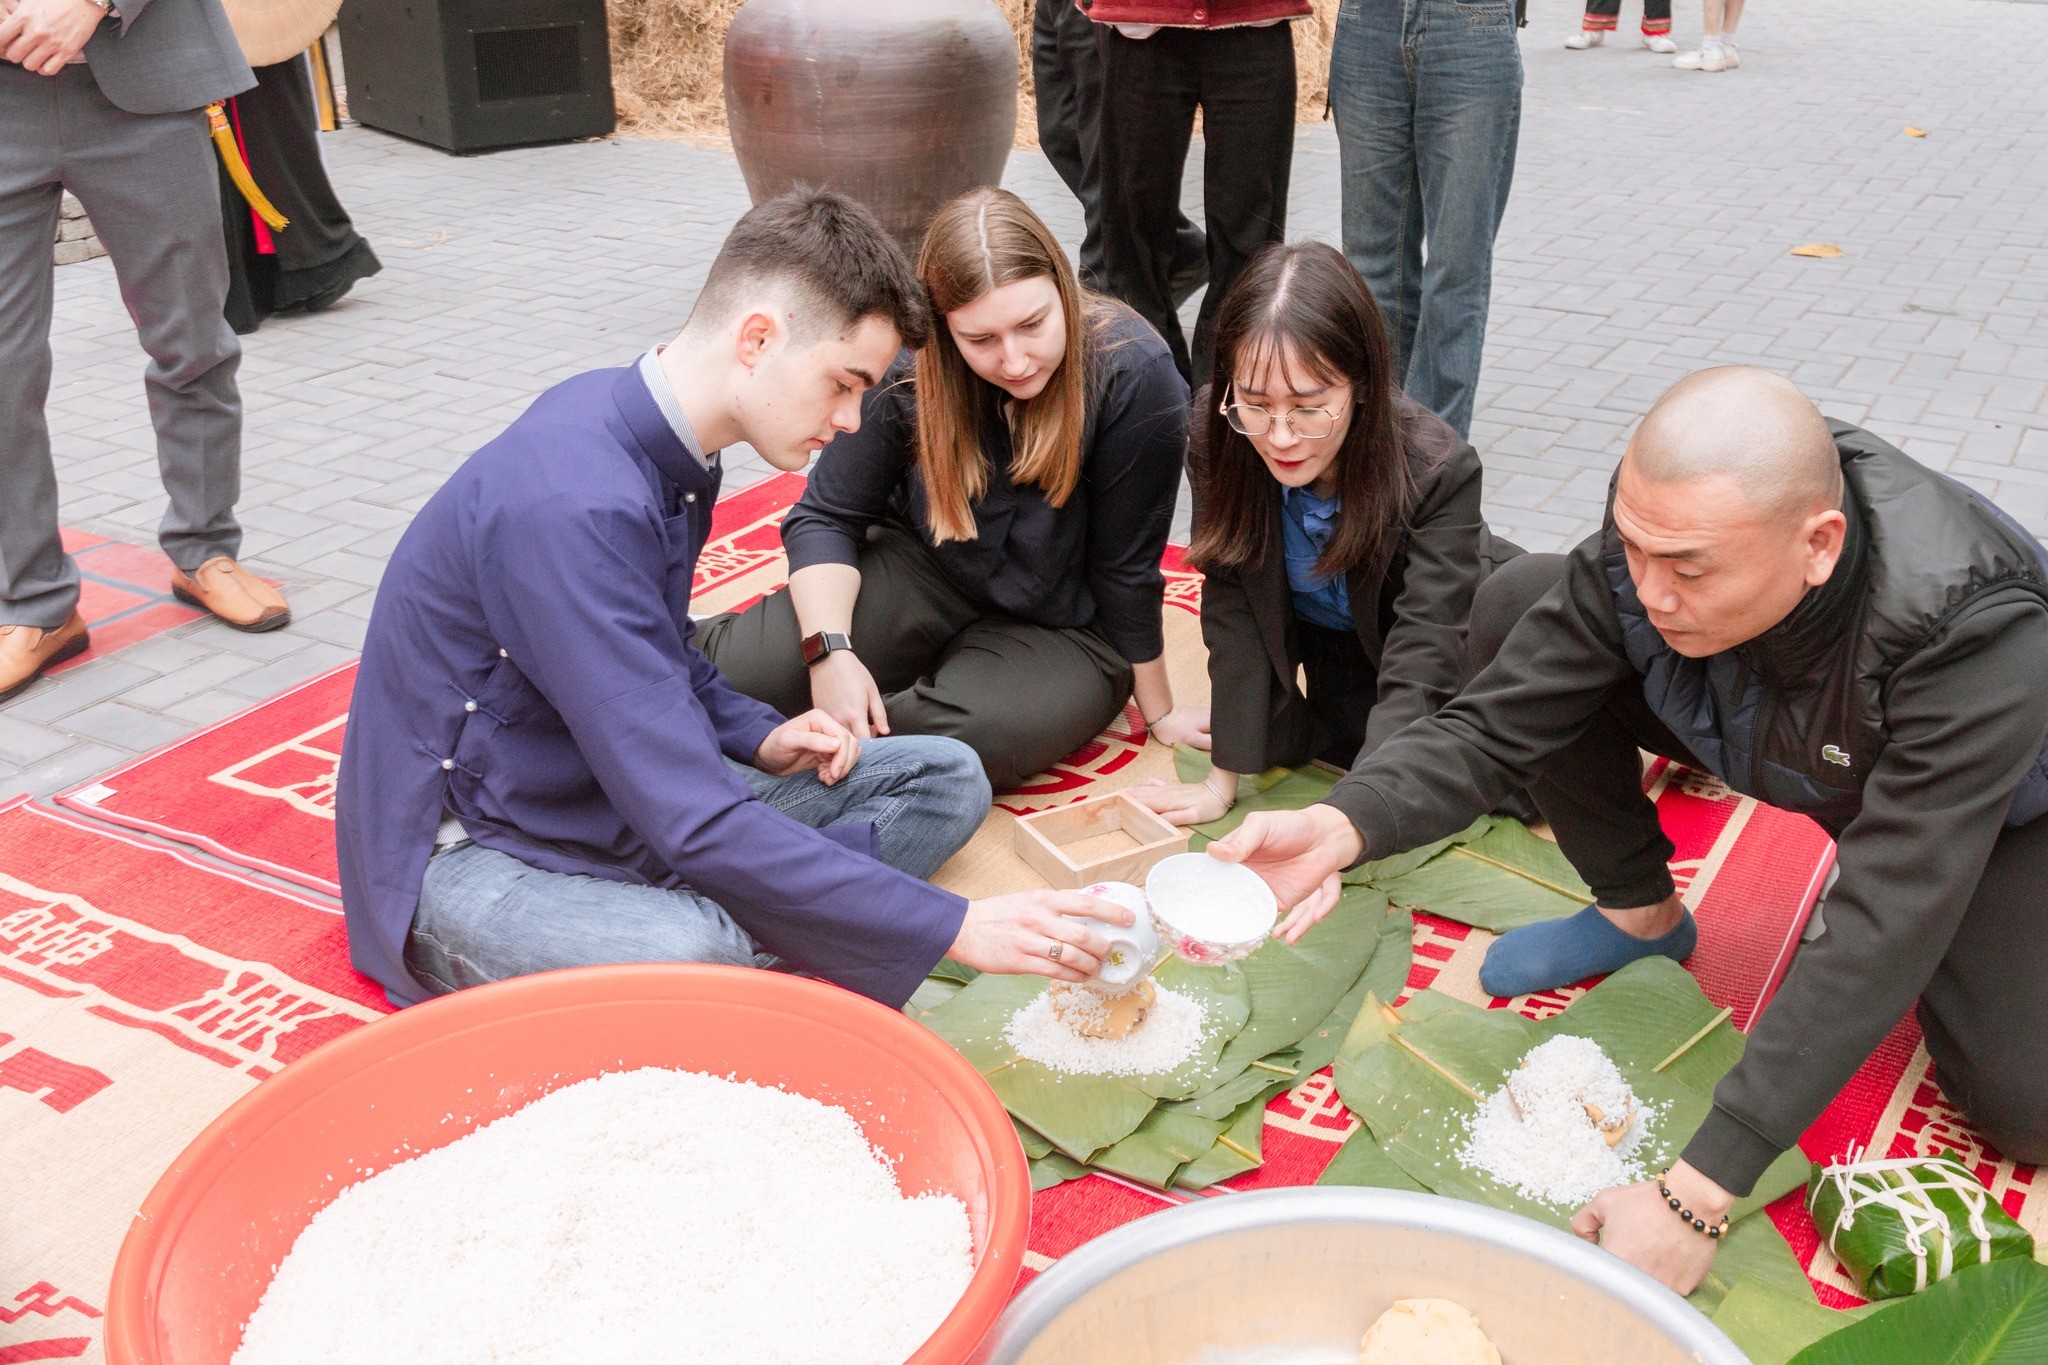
x=1685, y=1214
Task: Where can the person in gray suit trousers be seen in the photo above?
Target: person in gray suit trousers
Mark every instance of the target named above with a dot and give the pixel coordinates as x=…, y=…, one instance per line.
x=106, y=98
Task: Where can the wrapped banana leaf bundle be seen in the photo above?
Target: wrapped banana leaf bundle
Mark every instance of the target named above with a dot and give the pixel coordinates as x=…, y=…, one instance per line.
x=1898, y=1226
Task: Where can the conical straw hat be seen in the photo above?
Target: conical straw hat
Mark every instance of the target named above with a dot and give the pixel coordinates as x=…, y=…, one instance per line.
x=272, y=31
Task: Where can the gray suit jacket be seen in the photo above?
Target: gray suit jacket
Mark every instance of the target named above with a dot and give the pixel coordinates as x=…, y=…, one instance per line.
x=167, y=56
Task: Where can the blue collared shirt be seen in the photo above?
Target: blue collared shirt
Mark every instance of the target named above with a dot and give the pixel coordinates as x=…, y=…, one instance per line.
x=1306, y=525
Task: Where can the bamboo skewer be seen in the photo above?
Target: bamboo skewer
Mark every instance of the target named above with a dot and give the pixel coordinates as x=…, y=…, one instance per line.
x=1276, y=1070
x=1419, y=1055
x=1247, y=1155
x=1689, y=1043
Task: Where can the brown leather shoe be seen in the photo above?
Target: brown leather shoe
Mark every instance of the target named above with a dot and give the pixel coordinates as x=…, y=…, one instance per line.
x=232, y=593
x=25, y=651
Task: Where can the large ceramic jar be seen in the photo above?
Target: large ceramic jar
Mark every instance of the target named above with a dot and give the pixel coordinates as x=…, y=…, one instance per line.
x=900, y=103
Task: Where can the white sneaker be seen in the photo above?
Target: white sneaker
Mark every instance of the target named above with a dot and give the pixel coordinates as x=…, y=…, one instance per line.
x=1659, y=43
x=1729, y=55
x=1584, y=39
x=1701, y=61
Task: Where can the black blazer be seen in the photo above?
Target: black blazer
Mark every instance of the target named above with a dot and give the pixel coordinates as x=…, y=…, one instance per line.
x=1410, y=618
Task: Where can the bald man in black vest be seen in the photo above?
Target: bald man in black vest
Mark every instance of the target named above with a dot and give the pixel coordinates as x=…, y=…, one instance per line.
x=1828, y=626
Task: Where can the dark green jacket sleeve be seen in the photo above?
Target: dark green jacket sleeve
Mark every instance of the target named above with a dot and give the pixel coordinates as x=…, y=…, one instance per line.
x=1966, y=717
x=1443, y=771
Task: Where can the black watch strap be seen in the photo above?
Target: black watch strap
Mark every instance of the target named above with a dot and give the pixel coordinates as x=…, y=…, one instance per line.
x=817, y=645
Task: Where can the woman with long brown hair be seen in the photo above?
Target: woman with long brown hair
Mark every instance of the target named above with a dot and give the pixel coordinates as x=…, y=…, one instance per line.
x=1337, y=524
x=980, y=558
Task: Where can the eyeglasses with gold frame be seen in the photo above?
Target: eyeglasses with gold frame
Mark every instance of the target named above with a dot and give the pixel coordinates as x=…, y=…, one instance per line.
x=1246, y=419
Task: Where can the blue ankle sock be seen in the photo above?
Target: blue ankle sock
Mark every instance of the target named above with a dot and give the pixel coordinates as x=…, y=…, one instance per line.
x=1542, y=957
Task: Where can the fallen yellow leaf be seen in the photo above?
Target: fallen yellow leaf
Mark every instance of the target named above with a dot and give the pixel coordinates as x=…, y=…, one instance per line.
x=1819, y=250
x=1916, y=132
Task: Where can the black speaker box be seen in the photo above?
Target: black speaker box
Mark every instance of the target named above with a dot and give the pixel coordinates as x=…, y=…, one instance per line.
x=470, y=75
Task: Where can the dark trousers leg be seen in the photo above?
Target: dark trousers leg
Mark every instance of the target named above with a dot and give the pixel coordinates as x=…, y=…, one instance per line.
x=319, y=251
x=1021, y=696
x=1985, y=1014
x=1066, y=74
x=148, y=183
x=907, y=613
x=1340, y=685
x=1591, y=791
x=1602, y=15
x=38, y=581
x=1150, y=90
x=1247, y=79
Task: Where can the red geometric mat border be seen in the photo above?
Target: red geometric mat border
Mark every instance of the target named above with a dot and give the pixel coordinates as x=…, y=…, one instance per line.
x=141, y=992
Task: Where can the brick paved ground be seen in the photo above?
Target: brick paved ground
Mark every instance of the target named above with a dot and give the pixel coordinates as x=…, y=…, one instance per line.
x=1647, y=235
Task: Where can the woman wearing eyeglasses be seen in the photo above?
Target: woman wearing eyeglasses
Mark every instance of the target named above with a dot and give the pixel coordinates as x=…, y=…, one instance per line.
x=980, y=558
x=1338, y=525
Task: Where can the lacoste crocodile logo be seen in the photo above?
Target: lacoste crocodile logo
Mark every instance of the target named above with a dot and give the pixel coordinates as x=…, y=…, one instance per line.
x=1834, y=756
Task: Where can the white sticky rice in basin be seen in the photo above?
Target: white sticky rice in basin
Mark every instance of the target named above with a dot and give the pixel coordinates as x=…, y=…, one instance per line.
x=648, y=1216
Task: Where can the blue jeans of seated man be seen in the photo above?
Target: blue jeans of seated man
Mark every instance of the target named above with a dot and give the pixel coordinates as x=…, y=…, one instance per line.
x=485, y=915
x=1427, y=97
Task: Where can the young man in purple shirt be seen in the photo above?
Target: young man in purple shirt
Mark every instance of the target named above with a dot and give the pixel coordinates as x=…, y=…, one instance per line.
x=541, y=769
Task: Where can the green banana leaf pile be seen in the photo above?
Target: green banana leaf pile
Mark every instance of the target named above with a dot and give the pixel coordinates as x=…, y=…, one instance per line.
x=1494, y=875
x=1271, y=1020
x=1994, y=1314
x=1412, y=1076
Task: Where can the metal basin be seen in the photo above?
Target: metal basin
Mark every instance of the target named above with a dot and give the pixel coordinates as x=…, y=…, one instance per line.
x=1294, y=1277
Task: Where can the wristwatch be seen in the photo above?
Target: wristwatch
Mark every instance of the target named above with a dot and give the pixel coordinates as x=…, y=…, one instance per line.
x=819, y=644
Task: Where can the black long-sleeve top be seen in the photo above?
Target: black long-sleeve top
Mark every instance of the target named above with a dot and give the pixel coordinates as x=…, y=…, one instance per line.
x=1092, y=563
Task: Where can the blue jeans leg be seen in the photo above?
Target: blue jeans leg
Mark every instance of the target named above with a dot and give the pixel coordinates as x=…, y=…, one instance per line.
x=1427, y=95
x=924, y=794
x=1372, y=101
x=486, y=916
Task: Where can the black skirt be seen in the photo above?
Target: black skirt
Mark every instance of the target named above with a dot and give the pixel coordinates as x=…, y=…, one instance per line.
x=319, y=255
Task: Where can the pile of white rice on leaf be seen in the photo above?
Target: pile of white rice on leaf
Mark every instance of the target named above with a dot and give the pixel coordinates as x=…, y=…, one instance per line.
x=1178, y=1115
x=1537, y=1133
x=642, y=1216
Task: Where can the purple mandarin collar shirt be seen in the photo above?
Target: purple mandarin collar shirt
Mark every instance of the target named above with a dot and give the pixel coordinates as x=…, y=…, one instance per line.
x=529, y=667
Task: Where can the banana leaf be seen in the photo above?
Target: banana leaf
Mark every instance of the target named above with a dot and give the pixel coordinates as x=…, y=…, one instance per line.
x=1277, y=789
x=1282, y=1068
x=1415, y=1090
x=1080, y=1115
x=1505, y=878
x=1035, y=1144
x=1361, y=1161
x=1771, y=1326
x=1400, y=864
x=1293, y=988
x=1237, y=1149
x=931, y=993
x=1993, y=1314
x=1159, y=1147
x=949, y=970
x=1054, y=1169
x=1753, y=1252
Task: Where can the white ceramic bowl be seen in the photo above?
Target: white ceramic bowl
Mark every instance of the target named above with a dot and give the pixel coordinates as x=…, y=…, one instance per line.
x=1134, y=949
x=1173, y=879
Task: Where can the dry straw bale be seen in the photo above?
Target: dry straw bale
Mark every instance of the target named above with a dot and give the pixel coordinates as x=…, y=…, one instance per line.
x=668, y=57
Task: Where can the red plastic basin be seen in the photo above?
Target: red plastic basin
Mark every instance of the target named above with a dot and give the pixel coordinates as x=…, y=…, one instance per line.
x=207, y=1240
